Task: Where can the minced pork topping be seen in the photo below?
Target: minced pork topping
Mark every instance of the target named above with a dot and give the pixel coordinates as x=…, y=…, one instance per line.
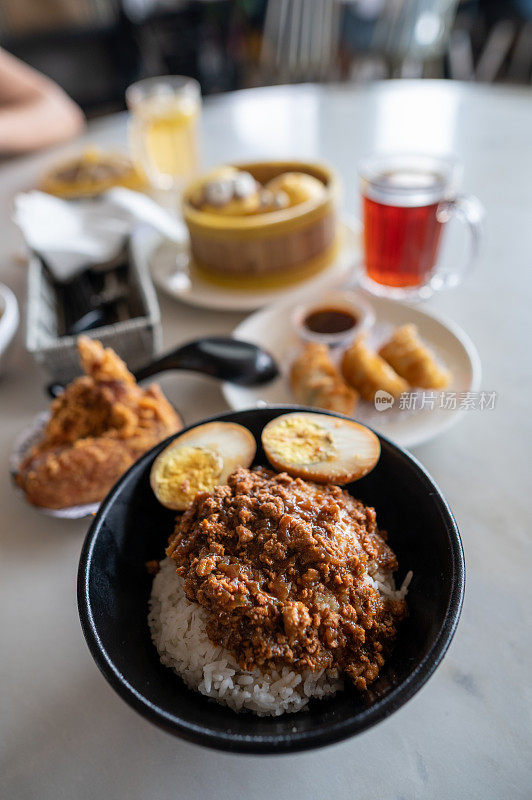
x=280, y=564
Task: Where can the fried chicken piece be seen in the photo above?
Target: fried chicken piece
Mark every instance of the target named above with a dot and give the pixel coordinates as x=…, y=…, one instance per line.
x=367, y=372
x=412, y=360
x=99, y=426
x=315, y=381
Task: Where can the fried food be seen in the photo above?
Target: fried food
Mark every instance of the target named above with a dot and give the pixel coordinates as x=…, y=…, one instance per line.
x=411, y=359
x=91, y=173
x=368, y=373
x=99, y=426
x=315, y=381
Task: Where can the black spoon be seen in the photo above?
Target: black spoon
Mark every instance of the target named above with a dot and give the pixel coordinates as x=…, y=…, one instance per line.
x=219, y=356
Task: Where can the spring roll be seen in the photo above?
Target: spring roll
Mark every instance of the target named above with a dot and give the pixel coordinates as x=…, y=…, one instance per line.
x=315, y=381
x=367, y=372
x=411, y=359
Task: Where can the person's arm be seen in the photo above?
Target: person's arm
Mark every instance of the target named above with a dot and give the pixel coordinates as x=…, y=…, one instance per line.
x=34, y=111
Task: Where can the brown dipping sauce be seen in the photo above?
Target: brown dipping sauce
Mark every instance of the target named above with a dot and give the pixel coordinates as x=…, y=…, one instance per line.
x=330, y=320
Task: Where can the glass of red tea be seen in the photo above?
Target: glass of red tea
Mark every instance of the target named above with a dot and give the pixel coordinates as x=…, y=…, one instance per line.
x=406, y=202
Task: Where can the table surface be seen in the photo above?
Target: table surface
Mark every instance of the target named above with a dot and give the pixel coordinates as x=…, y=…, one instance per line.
x=66, y=734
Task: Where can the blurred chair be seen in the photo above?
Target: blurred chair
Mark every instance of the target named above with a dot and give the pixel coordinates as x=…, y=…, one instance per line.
x=305, y=40
x=492, y=42
x=520, y=65
x=412, y=36
x=301, y=40
x=496, y=50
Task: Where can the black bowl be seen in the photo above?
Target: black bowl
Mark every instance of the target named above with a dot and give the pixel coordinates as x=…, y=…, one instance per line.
x=131, y=528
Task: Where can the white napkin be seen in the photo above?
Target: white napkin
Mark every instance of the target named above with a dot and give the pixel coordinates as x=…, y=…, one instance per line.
x=72, y=235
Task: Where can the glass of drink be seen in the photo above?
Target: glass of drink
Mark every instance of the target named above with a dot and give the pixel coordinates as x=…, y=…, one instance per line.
x=406, y=201
x=164, y=128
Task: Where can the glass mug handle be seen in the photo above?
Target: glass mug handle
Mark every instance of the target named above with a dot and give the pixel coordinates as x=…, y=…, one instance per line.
x=469, y=210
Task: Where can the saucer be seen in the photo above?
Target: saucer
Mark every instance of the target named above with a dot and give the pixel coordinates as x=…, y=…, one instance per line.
x=169, y=263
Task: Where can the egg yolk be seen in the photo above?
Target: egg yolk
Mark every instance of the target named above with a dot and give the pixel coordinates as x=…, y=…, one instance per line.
x=187, y=471
x=299, y=441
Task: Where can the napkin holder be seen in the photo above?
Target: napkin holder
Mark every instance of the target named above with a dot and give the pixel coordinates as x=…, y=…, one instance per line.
x=136, y=339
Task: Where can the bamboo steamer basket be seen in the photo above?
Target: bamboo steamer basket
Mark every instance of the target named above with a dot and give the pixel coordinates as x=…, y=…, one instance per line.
x=269, y=249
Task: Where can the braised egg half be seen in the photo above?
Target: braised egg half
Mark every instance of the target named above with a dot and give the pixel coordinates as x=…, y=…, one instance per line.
x=199, y=460
x=320, y=447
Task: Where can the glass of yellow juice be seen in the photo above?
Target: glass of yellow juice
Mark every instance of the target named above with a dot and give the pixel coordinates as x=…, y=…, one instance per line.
x=164, y=115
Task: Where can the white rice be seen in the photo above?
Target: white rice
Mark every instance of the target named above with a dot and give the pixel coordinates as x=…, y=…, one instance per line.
x=178, y=632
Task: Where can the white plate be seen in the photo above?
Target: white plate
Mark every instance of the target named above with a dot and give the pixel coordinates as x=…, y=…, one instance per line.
x=9, y=319
x=169, y=266
x=272, y=329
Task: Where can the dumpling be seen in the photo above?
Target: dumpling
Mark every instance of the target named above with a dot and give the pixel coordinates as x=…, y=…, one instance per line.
x=299, y=187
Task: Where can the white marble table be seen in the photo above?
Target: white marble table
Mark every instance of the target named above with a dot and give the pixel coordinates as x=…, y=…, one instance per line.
x=65, y=734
